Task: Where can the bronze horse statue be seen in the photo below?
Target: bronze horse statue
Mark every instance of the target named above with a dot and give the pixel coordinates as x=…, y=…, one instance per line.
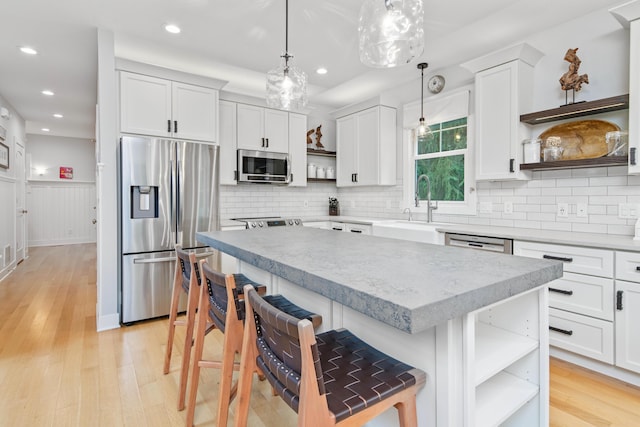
x=571, y=79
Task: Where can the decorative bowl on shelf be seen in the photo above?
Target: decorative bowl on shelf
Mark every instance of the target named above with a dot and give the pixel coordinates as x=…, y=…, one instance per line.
x=582, y=139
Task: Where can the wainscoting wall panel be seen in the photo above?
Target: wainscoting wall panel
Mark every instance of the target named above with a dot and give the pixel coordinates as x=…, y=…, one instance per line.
x=61, y=213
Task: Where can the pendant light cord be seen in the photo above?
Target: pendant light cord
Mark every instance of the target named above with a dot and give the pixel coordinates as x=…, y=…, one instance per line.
x=421, y=94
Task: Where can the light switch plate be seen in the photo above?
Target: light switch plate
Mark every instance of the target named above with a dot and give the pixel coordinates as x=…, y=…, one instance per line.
x=563, y=210
x=508, y=207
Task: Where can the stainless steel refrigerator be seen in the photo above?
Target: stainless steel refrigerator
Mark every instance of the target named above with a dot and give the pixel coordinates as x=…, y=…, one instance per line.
x=168, y=192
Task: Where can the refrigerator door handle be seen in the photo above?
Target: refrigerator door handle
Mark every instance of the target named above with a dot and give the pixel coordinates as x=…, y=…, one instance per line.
x=153, y=260
x=170, y=258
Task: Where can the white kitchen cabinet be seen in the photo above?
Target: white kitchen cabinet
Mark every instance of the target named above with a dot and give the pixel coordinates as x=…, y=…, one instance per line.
x=503, y=93
x=262, y=129
x=228, y=143
x=324, y=225
x=298, y=149
x=629, y=15
x=366, y=148
x=627, y=310
x=581, y=316
x=159, y=107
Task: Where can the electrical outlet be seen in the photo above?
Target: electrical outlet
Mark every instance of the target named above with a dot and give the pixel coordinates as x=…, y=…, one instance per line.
x=581, y=210
x=563, y=210
x=628, y=210
x=508, y=207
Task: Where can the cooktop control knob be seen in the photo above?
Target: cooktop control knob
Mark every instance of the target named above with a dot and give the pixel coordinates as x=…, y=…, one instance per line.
x=297, y=221
x=253, y=225
x=261, y=223
x=290, y=222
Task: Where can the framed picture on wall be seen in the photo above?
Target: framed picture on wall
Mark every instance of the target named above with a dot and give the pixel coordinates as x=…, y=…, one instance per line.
x=4, y=156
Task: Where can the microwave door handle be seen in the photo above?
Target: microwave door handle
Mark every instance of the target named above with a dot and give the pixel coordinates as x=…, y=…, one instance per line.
x=288, y=169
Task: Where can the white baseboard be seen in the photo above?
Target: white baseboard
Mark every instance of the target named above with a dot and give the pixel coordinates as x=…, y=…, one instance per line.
x=108, y=321
x=35, y=243
x=597, y=366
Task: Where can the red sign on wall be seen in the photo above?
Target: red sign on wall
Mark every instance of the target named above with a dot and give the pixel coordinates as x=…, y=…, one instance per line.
x=66, y=172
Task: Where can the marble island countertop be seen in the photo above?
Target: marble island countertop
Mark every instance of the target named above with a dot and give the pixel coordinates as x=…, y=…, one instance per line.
x=410, y=286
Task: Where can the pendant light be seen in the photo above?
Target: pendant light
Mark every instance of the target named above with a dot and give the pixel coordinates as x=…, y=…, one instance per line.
x=422, y=129
x=286, y=84
x=391, y=32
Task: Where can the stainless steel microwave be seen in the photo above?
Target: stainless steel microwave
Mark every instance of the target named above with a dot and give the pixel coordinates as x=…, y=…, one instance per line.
x=263, y=167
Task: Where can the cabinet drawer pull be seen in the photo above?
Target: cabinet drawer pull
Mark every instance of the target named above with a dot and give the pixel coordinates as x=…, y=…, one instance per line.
x=619, y=300
x=511, y=164
x=336, y=228
x=561, y=291
x=562, y=331
x=557, y=258
x=169, y=126
x=356, y=231
x=175, y=126
x=632, y=156
x=638, y=268
x=267, y=139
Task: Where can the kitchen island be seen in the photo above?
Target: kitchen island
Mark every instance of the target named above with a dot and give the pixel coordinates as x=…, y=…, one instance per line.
x=475, y=322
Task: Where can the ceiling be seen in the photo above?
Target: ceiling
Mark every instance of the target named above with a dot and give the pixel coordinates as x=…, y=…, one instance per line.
x=238, y=41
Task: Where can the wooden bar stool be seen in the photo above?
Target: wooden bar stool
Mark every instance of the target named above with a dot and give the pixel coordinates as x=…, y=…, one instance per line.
x=183, y=280
x=221, y=305
x=330, y=379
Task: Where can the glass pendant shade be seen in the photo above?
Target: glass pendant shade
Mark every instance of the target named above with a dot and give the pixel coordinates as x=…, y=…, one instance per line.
x=422, y=129
x=286, y=86
x=391, y=32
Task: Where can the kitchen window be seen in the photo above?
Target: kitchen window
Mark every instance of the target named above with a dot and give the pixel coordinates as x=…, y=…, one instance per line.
x=444, y=155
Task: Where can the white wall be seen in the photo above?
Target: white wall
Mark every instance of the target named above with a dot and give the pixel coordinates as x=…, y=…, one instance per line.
x=15, y=126
x=48, y=153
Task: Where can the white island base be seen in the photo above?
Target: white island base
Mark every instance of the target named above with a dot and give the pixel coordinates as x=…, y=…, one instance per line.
x=489, y=367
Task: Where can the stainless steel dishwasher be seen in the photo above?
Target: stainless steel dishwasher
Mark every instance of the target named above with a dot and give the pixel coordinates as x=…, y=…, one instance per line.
x=483, y=243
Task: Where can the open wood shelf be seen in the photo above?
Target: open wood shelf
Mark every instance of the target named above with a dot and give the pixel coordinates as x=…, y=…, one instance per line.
x=579, y=109
x=321, y=153
x=576, y=164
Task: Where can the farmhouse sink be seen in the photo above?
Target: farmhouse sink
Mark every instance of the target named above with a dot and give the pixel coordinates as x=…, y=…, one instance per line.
x=417, y=231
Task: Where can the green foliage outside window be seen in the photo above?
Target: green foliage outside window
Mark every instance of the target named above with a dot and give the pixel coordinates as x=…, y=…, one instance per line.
x=446, y=171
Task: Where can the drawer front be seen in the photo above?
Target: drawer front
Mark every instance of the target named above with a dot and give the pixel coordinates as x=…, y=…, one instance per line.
x=581, y=294
x=628, y=266
x=581, y=334
x=358, y=228
x=595, y=262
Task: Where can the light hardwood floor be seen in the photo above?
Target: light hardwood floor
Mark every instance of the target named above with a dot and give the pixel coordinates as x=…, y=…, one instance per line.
x=56, y=370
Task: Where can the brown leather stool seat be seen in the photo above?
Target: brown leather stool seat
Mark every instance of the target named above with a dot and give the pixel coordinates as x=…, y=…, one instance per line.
x=325, y=378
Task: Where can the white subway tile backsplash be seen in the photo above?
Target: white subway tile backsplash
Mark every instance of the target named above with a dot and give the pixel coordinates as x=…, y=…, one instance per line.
x=562, y=173
x=556, y=191
x=574, y=182
x=558, y=226
x=608, y=181
x=589, y=191
x=624, y=230
x=606, y=219
x=588, y=172
x=617, y=171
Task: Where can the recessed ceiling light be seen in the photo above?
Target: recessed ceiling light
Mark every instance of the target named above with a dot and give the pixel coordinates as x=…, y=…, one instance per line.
x=45, y=129
x=28, y=50
x=321, y=70
x=173, y=29
x=47, y=92
x=58, y=116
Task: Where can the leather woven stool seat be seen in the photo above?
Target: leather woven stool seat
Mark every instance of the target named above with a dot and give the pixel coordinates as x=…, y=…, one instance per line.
x=356, y=375
x=326, y=378
x=283, y=304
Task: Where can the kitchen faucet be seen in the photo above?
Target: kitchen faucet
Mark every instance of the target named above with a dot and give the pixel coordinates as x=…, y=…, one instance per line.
x=430, y=208
x=407, y=210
